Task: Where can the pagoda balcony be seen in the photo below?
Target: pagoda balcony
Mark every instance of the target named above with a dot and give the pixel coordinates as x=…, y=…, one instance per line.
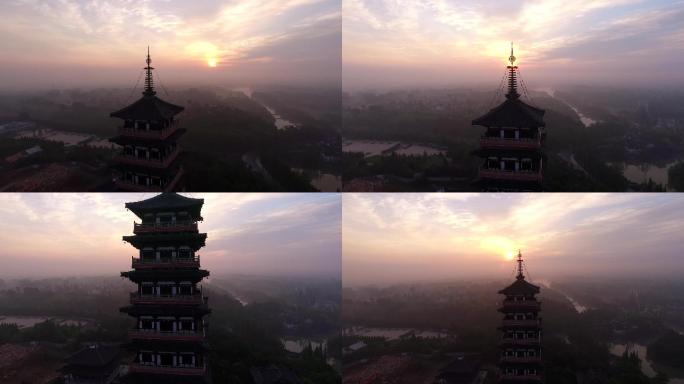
x=160, y=134
x=526, y=359
x=530, y=323
x=153, y=163
x=152, y=334
x=137, y=263
x=509, y=340
x=128, y=186
x=167, y=370
x=493, y=173
x=195, y=299
x=520, y=377
x=521, y=304
x=510, y=143
x=178, y=226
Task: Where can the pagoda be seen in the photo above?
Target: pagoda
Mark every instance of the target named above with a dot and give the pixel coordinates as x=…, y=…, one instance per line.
x=148, y=161
x=168, y=305
x=511, y=145
x=521, y=351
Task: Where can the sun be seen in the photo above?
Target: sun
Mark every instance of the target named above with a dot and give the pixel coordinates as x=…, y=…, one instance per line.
x=510, y=255
x=212, y=62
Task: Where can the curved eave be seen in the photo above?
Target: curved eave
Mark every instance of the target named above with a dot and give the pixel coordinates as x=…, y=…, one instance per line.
x=512, y=113
x=194, y=275
x=195, y=240
x=150, y=142
x=162, y=310
x=148, y=108
x=166, y=202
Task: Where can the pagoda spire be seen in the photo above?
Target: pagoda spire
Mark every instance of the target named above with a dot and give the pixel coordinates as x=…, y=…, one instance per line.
x=149, y=81
x=512, y=77
x=520, y=275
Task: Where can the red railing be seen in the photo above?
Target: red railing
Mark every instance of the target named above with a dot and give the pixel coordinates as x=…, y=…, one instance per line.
x=125, y=185
x=146, y=334
x=151, y=134
x=164, y=227
x=520, y=377
x=169, y=263
x=491, y=173
x=155, y=163
x=182, y=371
x=520, y=341
x=513, y=359
x=520, y=304
x=534, y=322
x=499, y=143
x=194, y=299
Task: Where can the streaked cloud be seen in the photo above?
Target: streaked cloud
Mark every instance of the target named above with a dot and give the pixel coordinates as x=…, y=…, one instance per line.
x=469, y=40
x=243, y=37
x=393, y=237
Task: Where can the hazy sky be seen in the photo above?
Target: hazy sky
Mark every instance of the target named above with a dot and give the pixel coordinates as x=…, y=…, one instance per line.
x=60, y=43
x=266, y=234
x=390, y=238
x=445, y=42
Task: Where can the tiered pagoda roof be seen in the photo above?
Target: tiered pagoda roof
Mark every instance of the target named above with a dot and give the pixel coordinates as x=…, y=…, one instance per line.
x=513, y=112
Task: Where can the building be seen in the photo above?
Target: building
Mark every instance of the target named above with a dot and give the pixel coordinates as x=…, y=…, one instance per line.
x=512, y=142
x=168, y=305
x=148, y=137
x=93, y=365
x=521, y=332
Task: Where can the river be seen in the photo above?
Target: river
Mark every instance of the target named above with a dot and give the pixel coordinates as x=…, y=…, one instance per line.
x=586, y=120
x=394, y=333
x=280, y=122
x=647, y=366
x=381, y=147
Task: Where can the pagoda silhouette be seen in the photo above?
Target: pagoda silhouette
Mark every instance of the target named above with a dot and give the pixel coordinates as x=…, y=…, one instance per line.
x=521, y=351
x=148, y=137
x=511, y=146
x=168, y=305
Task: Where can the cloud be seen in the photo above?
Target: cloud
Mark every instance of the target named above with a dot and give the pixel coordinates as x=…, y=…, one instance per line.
x=470, y=237
x=474, y=36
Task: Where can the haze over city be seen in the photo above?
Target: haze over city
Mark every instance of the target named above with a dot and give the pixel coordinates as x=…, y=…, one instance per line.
x=399, y=238
x=103, y=43
x=389, y=44
x=58, y=235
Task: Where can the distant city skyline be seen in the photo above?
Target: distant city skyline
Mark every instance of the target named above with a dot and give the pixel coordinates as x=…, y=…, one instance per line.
x=65, y=234
x=394, y=238
x=390, y=43
x=103, y=43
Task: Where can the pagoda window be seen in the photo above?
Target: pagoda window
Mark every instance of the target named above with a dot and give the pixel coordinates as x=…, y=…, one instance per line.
x=142, y=180
x=165, y=289
x=155, y=181
x=141, y=153
x=492, y=163
x=146, y=324
x=166, y=325
x=128, y=150
x=184, y=253
x=146, y=358
x=147, y=288
x=509, y=134
x=185, y=288
x=148, y=254
x=509, y=164
x=526, y=164
x=166, y=359
x=186, y=360
x=519, y=335
x=187, y=324
x=165, y=255
x=154, y=154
